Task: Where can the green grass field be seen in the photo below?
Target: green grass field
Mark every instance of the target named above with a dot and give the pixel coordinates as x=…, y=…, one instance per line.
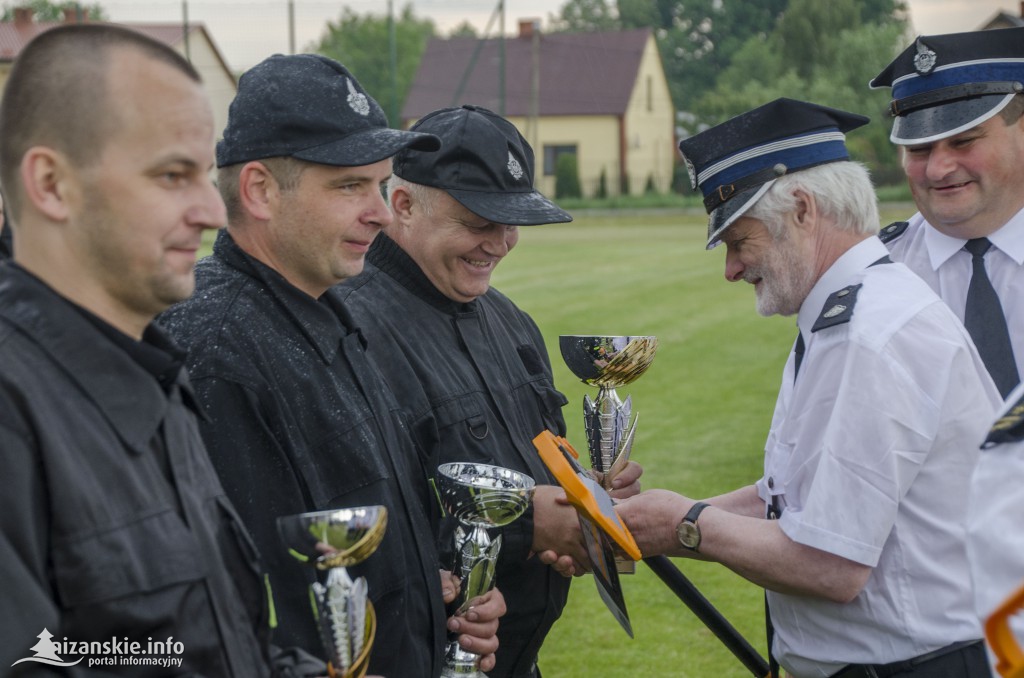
x=705, y=406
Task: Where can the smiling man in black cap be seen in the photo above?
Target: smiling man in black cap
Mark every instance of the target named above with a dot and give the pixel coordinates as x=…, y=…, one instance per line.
x=299, y=418
x=856, y=529
x=467, y=365
x=957, y=110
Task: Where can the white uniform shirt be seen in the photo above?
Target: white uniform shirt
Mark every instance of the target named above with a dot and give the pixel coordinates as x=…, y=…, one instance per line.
x=871, y=452
x=995, y=524
x=942, y=262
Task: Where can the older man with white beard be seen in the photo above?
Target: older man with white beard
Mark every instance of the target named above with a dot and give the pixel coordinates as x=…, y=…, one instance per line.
x=856, y=529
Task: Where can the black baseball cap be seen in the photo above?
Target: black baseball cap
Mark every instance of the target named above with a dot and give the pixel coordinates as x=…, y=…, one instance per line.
x=484, y=163
x=309, y=107
x=943, y=85
x=735, y=162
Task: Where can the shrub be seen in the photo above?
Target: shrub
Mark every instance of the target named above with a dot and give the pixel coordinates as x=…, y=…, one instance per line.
x=567, y=177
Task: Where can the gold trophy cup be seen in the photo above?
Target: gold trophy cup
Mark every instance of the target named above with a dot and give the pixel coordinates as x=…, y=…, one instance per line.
x=331, y=541
x=608, y=362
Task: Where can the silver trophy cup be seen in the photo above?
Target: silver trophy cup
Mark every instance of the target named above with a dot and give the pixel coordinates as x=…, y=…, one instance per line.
x=608, y=362
x=479, y=496
x=331, y=541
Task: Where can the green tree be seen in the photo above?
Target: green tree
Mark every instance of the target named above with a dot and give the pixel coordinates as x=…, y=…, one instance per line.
x=464, y=30
x=48, y=10
x=761, y=72
x=807, y=32
x=567, y=177
x=361, y=43
x=698, y=38
x=584, y=16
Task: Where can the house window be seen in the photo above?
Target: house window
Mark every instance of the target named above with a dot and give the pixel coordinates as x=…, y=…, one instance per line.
x=650, y=94
x=551, y=155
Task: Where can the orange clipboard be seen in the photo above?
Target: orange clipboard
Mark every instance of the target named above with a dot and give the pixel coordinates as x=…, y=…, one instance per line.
x=587, y=497
x=1010, y=658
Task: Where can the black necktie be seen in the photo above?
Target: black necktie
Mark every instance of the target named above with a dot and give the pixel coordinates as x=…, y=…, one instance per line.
x=986, y=323
x=798, y=353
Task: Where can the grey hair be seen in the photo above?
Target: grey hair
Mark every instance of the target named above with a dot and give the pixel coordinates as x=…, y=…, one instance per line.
x=424, y=196
x=842, y=191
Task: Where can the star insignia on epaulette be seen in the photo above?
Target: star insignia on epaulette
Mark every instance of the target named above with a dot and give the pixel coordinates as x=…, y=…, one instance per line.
x=1008, y=428
x=893, y=231
x=838, y=308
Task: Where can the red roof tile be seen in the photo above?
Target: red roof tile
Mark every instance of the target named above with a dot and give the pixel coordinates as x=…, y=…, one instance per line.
x=580, y=74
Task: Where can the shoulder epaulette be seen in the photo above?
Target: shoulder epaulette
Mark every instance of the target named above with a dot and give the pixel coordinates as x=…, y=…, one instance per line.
x=893, y=231
x=1009, y=427
x=838, y=308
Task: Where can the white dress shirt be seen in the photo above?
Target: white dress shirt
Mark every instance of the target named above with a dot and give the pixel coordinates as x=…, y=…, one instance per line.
x=995, y=525
x=870, y=453
x=942, y=262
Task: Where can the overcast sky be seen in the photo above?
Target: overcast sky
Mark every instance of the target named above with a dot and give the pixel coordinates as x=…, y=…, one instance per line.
x=246, y=31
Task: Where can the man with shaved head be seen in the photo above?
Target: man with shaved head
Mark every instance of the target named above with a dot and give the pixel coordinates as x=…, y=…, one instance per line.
x=114, y=530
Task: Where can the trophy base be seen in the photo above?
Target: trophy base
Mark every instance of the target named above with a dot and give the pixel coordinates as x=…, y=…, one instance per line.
x=459, y=663
x=457, y=672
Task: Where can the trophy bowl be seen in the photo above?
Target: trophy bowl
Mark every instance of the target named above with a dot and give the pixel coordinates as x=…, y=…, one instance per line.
x=335, y=537
x=479, y=496
x=483, y=495
x=607, y=361
x=331, y=541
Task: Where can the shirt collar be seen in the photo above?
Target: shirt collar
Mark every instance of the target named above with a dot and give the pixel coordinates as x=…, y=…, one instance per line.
x=127, y=395
x=315, y=318
x=1009, y=239
x=838, y=275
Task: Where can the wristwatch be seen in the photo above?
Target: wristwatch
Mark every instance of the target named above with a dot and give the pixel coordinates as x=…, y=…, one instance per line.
x=687, y=530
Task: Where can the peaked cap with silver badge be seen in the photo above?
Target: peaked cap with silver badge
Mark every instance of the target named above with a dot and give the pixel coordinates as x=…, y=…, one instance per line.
x=734, y=163
x=943, y=85
x=484, y=163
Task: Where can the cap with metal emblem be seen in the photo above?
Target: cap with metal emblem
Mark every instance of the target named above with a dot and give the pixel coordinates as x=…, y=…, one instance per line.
x=943, y=85
x=735, y=162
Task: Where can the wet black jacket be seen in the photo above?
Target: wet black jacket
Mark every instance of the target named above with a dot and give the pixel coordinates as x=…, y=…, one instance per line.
x=475, y=380
x=96, y=542
x=300, y=420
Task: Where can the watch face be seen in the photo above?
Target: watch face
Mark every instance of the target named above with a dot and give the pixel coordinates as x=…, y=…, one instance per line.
x=689, y=535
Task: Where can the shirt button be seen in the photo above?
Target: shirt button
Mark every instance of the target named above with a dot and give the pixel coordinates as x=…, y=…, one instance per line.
x=771, y=483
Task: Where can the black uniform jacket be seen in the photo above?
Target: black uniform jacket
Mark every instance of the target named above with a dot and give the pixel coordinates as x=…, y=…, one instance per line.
x=300, y=420
x=112, y=522
x=475, y=380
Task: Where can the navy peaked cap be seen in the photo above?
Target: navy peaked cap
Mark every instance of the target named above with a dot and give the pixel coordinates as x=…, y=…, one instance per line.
x=943, y=85
x=735, y=162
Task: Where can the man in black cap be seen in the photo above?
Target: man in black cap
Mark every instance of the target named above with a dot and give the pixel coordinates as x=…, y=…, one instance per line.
x=114, y=531
x=957, y=110
x=856, y=529
x=468, y=366
x=299, y=417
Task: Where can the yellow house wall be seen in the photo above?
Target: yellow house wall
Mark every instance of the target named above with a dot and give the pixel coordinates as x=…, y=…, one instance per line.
x=650, y=138
x=597, y=146
x=219, y=84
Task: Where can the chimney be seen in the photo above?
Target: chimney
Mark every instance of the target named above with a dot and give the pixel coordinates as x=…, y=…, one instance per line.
x=79, y=15
x=23, y=17
x=527, y=27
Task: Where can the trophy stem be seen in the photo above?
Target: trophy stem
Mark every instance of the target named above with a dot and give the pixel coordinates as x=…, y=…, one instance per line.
x=478, y=496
